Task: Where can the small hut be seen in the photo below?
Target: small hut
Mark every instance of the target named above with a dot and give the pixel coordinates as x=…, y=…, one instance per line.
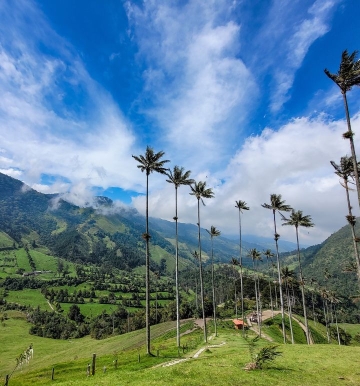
x=239, y=324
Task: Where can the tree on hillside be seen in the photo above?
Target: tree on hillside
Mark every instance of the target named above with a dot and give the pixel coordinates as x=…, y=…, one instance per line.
x=346, y=171
x=325, y=297
x=269, y=255
x=255, y=256
x=241, y=205
x=297, y=219
x=149, y=163
x=213, y=232
x=200, y=191
x=178, y=177
x=234, y=262
x=347, y=77
x=278, y=205
x=288, y=277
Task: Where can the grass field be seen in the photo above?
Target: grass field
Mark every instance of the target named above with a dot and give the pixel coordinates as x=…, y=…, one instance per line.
x=223, y=365
x=28, y=297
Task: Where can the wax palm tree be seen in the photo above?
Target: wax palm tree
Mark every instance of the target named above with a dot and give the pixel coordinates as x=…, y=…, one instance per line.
x=255, y=256
x=346, y=171
x=213, y=232
x=325, y=297
x=241, y=205
x=288, y=277
x=278, y=205
x=178, y=177
x=149, y=163
x=269, y=255
x=334, y=301
x=297, y=219
x=347, y=77
x=200, y=191
x=313, y=282
x=234, y=262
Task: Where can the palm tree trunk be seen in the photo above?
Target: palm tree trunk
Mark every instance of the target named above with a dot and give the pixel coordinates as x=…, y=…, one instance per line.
x=201, y=277
x=337, y=326
x=147, y=272
x=302, y=284
x=235, y=296
x=290, y=314
x=177, y=273
x=313, y=306
x=326, y=322
x=352, y=225
x=257, y=294
x=213, y=284
x=241, y=275
x=352, y=147
x=280, y=284
x=271, y=298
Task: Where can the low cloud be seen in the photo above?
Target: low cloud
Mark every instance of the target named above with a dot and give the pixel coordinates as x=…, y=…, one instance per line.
x=293, y=161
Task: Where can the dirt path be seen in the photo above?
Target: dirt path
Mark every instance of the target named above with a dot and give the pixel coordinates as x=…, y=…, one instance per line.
x=50, y=305
x=267, y=314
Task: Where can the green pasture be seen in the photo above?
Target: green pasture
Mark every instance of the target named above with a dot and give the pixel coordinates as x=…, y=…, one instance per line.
x=5, y=240
x=28, y=297
x=221, y=363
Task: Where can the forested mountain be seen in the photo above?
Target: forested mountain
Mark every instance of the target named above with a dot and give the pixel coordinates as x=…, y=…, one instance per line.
x=113, y=236
x=102, y=235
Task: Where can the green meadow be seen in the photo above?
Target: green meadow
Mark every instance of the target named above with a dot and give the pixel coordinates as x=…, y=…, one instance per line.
x=221, y=363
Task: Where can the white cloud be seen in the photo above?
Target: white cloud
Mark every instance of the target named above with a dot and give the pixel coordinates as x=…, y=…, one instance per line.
x=294, y=162
x=200, y=87
x=55, y=119
x=288, y=32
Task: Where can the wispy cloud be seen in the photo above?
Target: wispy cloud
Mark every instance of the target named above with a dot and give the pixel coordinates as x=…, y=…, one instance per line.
x=200, y=87
x=285, y=39
x=54, y=118
x=294, y=162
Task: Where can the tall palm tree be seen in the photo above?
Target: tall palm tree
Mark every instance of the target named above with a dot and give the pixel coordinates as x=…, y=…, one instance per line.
x=200, y=191
x=325, y=297
x=346, y=171
x=235, y=263
x=178, y=177
x=241, y=205
x=278, y=205
x=288, y=277
x=213, y=232
x=333, y=302
x=312, y=283
x=255, y=255
x=297, y=219
x=347, y=77
x=269, y=255
x=149, y=163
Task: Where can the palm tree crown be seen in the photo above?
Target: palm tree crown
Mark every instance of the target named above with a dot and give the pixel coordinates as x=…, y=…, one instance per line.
x=255, y=255
x=241, y=205
x=277, y=204
x=213, y=232
x=346, y=167
x=297, y=219
x=151, y=161
x=349, y=72
x=200, y=191
x=179, y=177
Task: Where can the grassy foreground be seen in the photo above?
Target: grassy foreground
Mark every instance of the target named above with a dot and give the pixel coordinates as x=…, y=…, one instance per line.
x=223, y=365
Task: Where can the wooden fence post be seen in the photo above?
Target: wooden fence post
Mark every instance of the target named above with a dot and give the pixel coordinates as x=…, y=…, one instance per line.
x=93, y=364
x=52, y=373
x=7, y=379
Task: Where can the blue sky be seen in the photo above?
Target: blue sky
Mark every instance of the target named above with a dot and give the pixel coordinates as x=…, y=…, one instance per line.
x=232, y=90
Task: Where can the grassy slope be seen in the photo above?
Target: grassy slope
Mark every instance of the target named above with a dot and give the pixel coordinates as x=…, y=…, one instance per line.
x=298, y=365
